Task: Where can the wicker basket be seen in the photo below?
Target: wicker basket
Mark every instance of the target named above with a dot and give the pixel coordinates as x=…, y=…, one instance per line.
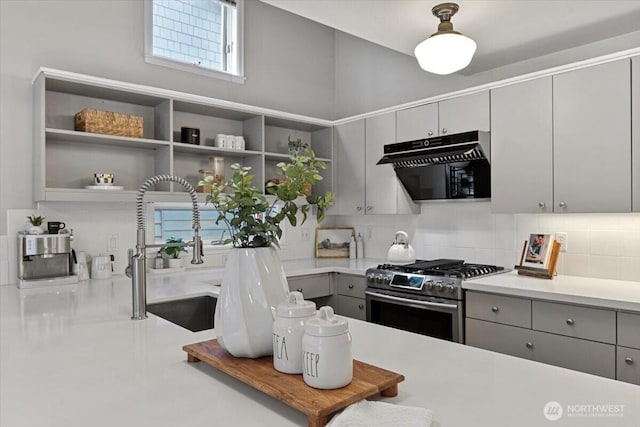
x=98, y=121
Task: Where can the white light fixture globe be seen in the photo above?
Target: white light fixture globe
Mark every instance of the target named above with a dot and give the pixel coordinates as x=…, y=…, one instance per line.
x=445, y=51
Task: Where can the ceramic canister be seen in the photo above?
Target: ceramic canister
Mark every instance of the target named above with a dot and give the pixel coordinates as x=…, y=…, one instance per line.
x=288, y=329
x=327, y=360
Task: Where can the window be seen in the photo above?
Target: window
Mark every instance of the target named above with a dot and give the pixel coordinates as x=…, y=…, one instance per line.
x=175, y=220
x=201, y=36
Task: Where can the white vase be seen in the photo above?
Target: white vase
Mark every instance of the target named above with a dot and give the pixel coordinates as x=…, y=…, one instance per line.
x=253, y=285
x=175, y=262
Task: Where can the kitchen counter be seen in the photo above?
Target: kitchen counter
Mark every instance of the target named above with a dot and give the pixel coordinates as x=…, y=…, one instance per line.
x=615, y=294
x=71, y=356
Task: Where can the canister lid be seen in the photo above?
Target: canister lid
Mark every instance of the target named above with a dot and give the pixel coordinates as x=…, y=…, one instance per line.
x=326, y=324
x=296, y=306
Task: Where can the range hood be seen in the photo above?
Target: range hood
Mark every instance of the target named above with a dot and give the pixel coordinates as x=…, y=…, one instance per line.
x=444, y=167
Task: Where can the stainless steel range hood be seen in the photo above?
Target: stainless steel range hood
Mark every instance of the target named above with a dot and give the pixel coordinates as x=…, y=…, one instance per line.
x=444, y=167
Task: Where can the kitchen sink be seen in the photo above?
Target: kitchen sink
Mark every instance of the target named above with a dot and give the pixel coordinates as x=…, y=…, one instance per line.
x=194, y=314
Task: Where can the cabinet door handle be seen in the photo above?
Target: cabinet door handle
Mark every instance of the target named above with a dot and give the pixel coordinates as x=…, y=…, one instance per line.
x=350, y=286
x=360, y=306
x=444, y=130
x=570, y=322
x=562, y=204
x=299, y=290
x=628, y=361
x=541, y=205
x=529, y=345
x=358, y=208
x=369, y=208
x=430, y=133
x=495, y=309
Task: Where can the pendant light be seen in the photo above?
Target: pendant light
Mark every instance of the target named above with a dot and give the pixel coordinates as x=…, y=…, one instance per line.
x=445, y=51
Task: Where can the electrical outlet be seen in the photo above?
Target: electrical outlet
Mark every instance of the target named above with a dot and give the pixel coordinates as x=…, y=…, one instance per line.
x=563, y=239
x=369, y=234
x=112, y=242
x=305, y=234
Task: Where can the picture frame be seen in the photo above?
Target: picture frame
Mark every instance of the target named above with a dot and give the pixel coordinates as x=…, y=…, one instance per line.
x=333, y=242
x=539, y=256
x=537, y=251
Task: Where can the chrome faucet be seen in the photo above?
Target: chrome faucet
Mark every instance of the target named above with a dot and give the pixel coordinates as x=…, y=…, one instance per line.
x=137, y=268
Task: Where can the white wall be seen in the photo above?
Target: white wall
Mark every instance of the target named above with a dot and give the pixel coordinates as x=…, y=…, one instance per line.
x=599, y=245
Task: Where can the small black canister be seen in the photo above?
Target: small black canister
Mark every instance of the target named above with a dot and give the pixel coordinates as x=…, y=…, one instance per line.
x=190, y=135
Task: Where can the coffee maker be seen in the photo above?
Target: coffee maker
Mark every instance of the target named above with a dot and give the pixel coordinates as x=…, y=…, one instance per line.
x=44, y=259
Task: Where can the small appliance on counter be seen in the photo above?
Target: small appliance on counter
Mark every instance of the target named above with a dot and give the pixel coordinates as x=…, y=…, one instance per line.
x=401, y=252
x=45, y=259
x=190, y=135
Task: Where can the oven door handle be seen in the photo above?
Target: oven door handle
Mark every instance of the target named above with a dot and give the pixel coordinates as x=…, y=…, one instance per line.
x=412, y=301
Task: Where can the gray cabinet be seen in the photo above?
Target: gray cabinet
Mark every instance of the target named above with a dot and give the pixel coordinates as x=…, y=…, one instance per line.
x=351, y=295
x=365, y=187
x=460, y=114
x=635, y=132
x=350, y=166
x=592, y=139
x=312, y=286
x=628, y=349
x=570, y=336
x=65, y=160
x=560, y=144
x=522, y=147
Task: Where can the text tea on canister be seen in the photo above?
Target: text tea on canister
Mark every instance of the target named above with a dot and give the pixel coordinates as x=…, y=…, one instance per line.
x=288, y=329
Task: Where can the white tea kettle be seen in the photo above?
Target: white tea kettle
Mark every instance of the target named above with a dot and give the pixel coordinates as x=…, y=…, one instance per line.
x=401, y=251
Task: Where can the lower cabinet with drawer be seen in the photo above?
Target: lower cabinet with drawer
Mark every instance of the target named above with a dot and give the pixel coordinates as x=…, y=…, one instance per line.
x=351, y=295
x=570, y=336
x=628, y=349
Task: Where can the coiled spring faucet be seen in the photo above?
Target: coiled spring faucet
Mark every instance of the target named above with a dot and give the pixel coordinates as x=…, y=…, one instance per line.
x=137, y=268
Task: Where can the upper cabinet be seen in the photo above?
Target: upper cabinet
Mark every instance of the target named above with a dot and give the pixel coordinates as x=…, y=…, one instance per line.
x=461, y=114
x=635, y=132
x=365, y=187
x=522, y=147
x=65, y=159
x=563, y=143
x=592, y=139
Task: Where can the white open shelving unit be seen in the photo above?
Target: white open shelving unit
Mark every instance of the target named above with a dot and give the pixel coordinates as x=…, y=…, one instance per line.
x=65, y=160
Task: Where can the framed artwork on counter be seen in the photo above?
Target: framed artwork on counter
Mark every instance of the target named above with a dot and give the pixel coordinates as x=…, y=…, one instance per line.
x=333, y=242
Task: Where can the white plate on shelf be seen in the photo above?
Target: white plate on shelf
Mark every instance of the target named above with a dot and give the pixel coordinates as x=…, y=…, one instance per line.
x=104, y=187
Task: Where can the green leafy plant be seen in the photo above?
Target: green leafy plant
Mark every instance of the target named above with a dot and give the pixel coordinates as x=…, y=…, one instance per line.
x=174, y=251
x=36, y=220
x=251, y=219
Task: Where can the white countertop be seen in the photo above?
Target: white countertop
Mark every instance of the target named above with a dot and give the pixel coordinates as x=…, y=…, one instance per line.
x=71, y=356
x=616, y=294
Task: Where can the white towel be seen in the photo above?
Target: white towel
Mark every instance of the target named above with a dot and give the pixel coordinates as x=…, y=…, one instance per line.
x=381, y=414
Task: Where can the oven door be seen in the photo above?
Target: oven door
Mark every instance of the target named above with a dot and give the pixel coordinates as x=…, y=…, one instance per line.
x=435, y=317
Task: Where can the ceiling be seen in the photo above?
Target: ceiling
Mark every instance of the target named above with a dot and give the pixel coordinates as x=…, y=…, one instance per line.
x=507, y=31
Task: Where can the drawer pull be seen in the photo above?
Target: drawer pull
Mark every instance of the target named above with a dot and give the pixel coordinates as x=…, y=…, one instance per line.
x=494, y=309
x=299, y=289
x=529, y=345
x=570, y=322
x=350, y=286
x=628, y=361
x=360, y=306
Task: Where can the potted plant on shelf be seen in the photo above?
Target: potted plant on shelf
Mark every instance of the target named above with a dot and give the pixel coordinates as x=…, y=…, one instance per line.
x=173, y=252
x=36, y=224
x=254, y=282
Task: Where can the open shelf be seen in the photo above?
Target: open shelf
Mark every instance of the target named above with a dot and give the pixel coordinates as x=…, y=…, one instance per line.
x=62, y=135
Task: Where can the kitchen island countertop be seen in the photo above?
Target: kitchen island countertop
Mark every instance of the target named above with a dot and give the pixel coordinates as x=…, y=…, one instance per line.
x=71, y=356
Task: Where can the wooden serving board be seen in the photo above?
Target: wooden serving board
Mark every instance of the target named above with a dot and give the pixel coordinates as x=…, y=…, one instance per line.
x=318, y=405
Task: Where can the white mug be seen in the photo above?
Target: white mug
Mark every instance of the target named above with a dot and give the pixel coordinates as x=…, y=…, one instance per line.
x=238, y=143
x=101, y=267
x=229, y=141
x=220, y=140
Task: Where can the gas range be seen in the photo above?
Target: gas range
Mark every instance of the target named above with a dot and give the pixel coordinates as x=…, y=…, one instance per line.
x=437, y=278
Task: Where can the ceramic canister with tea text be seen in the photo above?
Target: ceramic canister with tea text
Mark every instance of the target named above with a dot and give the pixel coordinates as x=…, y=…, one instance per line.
x=288, y=329
x=327, y=360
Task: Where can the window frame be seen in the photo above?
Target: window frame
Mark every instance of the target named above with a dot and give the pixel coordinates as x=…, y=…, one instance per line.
x=150, y=58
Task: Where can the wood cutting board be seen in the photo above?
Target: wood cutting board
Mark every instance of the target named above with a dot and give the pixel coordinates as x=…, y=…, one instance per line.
x=318, y=405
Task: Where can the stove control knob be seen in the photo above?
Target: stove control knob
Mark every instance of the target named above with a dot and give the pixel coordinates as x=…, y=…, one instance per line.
x=429, y=284
x=386, y=280
x=379, y=278
x=439, y=287
x=450, y=288
x=371, y=277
